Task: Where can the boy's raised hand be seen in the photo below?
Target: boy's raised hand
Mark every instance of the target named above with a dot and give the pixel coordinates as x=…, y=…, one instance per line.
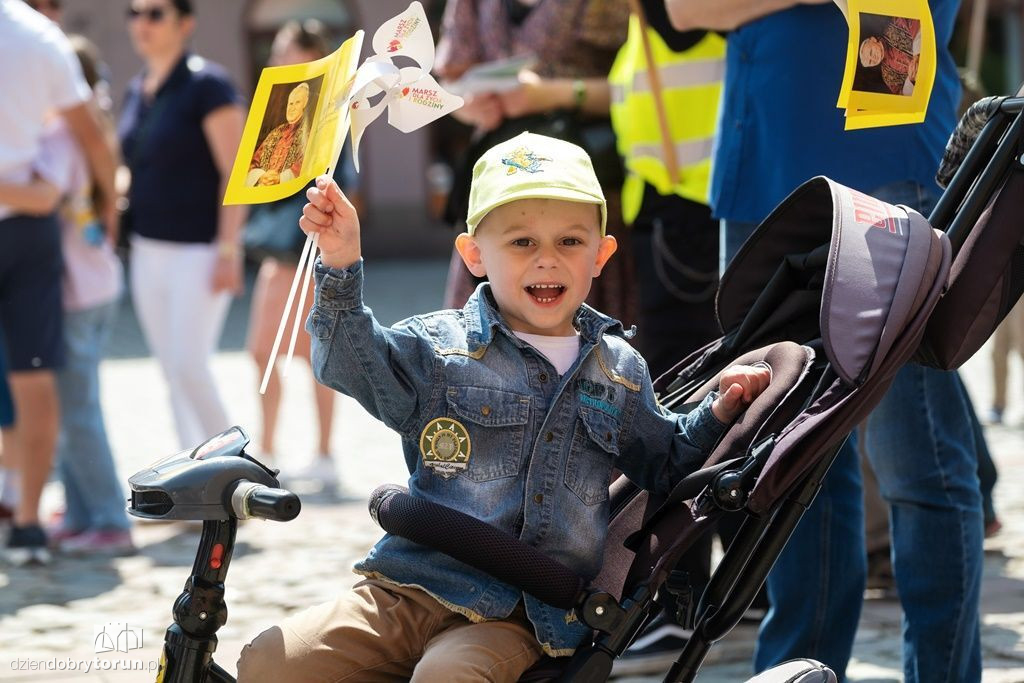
x=330, y=215
x=738, y=386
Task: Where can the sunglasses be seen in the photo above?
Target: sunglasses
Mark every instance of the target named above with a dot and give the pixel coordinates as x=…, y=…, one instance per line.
x=153, y=14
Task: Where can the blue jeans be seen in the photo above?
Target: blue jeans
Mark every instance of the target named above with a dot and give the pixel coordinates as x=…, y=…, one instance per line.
x=921, y=446
x=92, y=490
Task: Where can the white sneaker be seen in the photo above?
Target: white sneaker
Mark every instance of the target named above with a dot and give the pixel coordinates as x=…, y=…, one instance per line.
x=320, y=469
x=26, y=545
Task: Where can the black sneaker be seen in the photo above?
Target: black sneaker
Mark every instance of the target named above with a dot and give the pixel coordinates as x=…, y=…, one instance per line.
x=654, y=651
x=27, y=545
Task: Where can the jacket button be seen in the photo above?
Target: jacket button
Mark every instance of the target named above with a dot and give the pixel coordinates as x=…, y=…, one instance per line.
x=543, y=377
x=607, y=436
x=485, y=410
x=549, y=437
x=538, y=498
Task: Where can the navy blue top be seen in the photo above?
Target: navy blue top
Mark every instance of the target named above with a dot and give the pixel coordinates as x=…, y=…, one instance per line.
x=175, y=190
x=780, y=125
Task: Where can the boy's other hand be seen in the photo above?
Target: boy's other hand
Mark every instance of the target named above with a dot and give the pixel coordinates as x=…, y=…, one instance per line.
x=738, y=387
x=330, y=215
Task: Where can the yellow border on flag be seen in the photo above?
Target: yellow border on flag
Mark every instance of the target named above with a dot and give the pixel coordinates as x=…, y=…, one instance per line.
x=867, y=109
x=337, y=70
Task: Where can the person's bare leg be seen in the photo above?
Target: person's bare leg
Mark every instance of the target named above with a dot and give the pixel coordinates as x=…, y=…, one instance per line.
x=264, y=316
x=270, y=403
x=324, y=396
x=325, y=415
x=8, y=476
x=33, y=437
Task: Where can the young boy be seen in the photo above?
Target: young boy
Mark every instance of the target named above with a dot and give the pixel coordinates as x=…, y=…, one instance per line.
x=514, y=410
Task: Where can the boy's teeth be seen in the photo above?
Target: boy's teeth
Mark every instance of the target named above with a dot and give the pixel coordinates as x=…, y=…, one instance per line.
x=535, y=292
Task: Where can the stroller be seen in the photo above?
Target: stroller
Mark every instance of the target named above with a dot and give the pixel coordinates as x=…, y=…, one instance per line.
x=835, y=291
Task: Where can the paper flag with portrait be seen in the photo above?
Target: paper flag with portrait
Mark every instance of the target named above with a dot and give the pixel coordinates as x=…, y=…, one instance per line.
x=295, y=127
x=301, y=114
x=890, y=63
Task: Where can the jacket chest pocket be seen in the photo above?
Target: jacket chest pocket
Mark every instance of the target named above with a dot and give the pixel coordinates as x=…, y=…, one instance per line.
x=595, y=446
x=495, y=422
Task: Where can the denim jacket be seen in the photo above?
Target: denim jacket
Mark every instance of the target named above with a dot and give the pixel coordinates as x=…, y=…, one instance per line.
x=490, y=429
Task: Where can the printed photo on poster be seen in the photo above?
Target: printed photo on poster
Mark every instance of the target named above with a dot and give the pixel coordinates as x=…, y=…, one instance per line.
x=285, y=133
x=888, y=55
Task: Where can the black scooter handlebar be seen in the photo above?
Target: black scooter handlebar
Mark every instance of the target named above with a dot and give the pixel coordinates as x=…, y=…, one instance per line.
x=250, y=499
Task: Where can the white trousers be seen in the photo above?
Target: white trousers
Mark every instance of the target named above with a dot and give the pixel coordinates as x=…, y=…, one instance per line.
x=182, y=319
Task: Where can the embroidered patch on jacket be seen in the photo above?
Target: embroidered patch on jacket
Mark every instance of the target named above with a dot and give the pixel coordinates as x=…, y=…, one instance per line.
x=445, y=446
x=597, y=395
x=522, y=159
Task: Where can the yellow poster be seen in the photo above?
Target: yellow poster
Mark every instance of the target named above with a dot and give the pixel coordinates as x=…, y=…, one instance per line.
x=890, y=63
x=296, y=125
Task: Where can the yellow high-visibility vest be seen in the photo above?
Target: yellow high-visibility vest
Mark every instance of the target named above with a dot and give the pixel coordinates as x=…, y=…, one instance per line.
x=691, y=85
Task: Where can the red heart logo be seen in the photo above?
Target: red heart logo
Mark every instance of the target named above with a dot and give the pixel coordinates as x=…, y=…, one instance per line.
x=405, y=91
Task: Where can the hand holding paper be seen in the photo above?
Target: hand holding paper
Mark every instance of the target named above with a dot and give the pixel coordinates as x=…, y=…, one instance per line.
x=498, y=76
x=481, y=111
x=331, y=216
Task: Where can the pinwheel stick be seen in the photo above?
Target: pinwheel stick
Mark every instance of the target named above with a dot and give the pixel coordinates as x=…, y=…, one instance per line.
x=303, y=271
x=307, y=255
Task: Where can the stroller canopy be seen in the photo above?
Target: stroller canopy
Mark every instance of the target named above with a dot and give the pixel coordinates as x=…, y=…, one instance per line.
x=872, y=263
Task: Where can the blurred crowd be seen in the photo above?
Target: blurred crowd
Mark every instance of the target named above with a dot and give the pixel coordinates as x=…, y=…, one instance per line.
x=663, y=94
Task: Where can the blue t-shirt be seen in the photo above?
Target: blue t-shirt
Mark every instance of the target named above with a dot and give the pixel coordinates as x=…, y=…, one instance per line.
x=175, y=190
x=779, y=122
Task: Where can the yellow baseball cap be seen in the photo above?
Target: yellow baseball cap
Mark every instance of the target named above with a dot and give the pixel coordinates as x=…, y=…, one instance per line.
x=531, y=166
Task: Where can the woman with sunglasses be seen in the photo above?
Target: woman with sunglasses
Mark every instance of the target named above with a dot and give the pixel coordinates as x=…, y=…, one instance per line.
x=180, y=127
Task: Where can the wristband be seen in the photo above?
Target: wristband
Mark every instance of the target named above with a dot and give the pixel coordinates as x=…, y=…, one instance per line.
x=579, y=93
x=227, y=249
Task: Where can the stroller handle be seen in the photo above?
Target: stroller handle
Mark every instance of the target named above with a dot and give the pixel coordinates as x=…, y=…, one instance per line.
x=250, y=499
x=969, y=128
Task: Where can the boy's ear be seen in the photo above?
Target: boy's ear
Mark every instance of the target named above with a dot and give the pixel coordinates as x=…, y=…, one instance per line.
x=469, y=250
x=604, y=252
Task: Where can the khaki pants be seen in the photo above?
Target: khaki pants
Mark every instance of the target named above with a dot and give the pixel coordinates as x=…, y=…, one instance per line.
x=383, y=632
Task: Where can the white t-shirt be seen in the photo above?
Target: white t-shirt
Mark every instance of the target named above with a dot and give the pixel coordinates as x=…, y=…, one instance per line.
x=40, y=73
x=561, y=351
x=92, y=271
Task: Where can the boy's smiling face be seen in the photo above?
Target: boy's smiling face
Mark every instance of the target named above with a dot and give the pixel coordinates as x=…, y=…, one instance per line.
x=540, y=256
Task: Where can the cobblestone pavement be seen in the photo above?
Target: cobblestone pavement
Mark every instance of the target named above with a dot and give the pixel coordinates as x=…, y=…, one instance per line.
x=49, y=617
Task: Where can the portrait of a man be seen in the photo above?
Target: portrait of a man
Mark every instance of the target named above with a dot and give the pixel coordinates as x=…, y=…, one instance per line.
x=888, y=55
x=278, y=158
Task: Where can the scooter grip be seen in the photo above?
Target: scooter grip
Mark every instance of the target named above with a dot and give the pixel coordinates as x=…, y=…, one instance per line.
x=277, y=505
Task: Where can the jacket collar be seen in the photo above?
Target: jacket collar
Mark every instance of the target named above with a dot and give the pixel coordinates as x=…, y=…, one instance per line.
x=483, y=318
